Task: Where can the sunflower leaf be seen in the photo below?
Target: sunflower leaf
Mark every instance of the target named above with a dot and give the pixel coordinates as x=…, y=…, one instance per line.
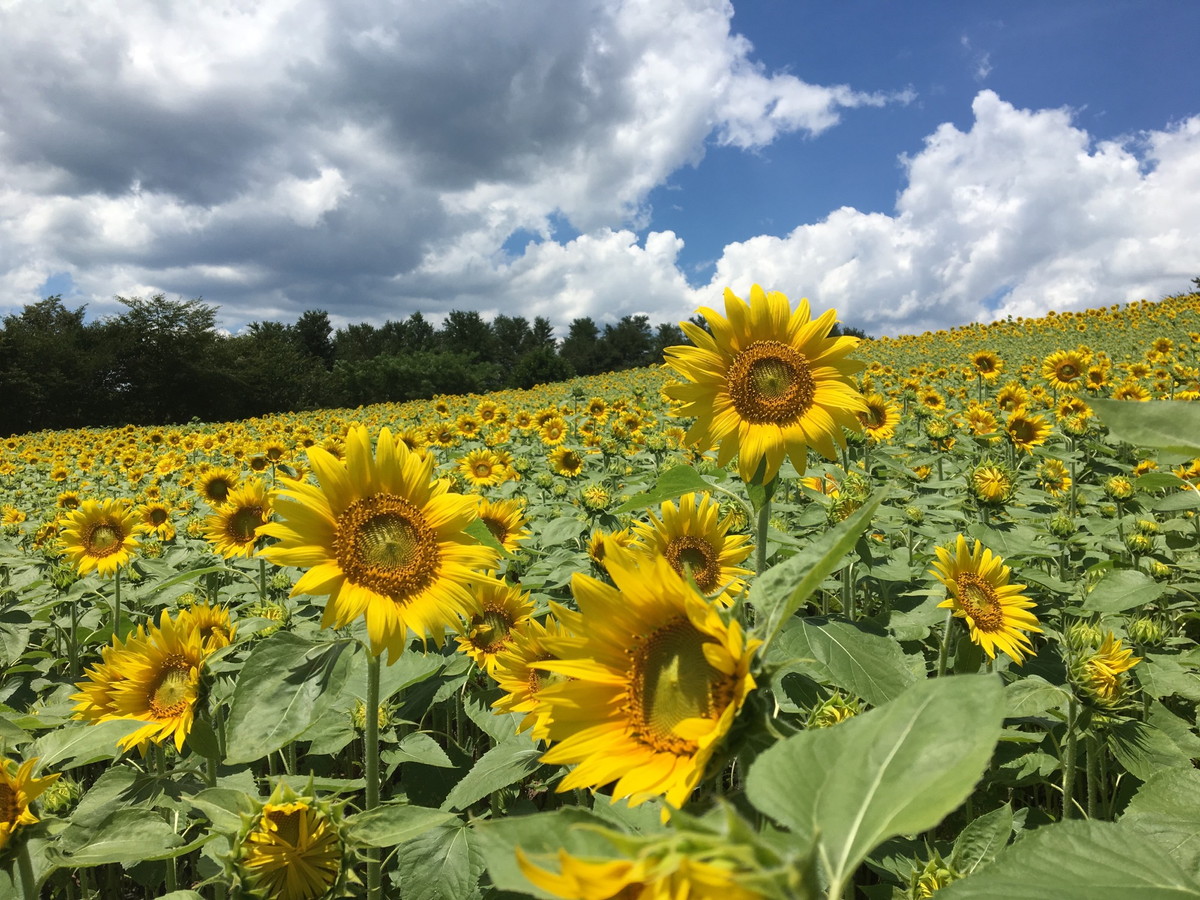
x=778, y=592
x=898, y=769
x=672, y=483
x=394, y=823
x=443, y=863
x=1164, y=810
x=498, y=768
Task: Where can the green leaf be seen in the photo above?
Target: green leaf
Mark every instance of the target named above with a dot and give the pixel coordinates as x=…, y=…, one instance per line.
x=125, y=835
x=778, y=592
x=561, y=530
x=1166, y=811
x=982, y=840
x=1122, y=589
x=671, y=484
x=441, y=864
x=1032, y=696
x=394, y=823
x=78, y=745
x=285, y=685
x=498, y=768
x=223, y=807
x=478, y=529
x=420, y=748
x=1154, y=424
x=1158, y=481
x=870, y=666
x=1144, y=750
x=1079, y=860
x=898, y=769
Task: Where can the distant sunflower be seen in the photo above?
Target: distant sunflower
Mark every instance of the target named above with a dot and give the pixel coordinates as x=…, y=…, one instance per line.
x=654, y=683
x=18, y=790
x=155, y=518
x=987, y=365
x=291, y=849
x=216, y=484
x=233, y=529
x=100, y=536
x=382, y=539
x=996, y=612
x=697, y=543
x=567, y=462
x=1011, y=396
x=505, y=519
x=982, y=423
x=553, y=431
x=766, y=383
x=497, y=610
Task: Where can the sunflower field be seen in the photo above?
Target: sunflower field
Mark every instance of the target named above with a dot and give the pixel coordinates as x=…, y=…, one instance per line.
x=792, y=615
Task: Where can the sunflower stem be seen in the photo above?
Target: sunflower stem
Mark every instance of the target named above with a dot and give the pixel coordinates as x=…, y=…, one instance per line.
x=73, y=643
x=25, y=865
x=371, y=769
x=160, y=759
x=1093, y=777
x=944, y=649
x=1068, y=762
x=117, y=604
x=262, y=579
x=764, y=521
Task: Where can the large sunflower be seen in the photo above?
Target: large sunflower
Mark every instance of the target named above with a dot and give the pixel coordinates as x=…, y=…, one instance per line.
x=766, y=383
x=655, y=680
x=382, y=539
x=696, y=542
x=996, y=612
x=100, y=536
x=18, y=789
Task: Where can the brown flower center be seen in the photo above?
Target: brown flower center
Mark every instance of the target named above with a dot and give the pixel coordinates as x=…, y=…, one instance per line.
x=771, y=383
x=978, y=600
x=383, y=543
x=690, y=554
x=241, y=524
x=9, y=808
x=104, y=539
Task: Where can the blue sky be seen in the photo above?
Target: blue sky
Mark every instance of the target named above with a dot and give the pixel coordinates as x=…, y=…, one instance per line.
x=914, y=165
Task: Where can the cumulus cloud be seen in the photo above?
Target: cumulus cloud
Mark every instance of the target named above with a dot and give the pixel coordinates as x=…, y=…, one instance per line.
x=1020, y=214
x=367, y=157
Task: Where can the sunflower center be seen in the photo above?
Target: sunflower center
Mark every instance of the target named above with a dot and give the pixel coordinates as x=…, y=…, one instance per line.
x=771, y=383
x=498, y=530
x=384, y=543
x=287, y=824
x=688, y=553
x=170, y=695
x=104, y=539
x=158, y=516
x=670, y=682
x=1067, y=371
x=9, y=809
x=489, y=632
x=240, y=527
x=979, y=601
x=483, y=470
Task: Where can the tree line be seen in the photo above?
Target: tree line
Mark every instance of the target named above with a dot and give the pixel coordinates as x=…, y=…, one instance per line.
x=164, y=361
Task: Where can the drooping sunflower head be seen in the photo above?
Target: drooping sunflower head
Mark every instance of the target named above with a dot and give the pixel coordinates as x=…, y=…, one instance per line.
x=382, y=539
x=291, y=849
x=18, y=789
x=695, y=541
x=498, y=609
x=766, y=383
x=655, y=680
x=233, y=529
x=996, y=612
x=100, y=536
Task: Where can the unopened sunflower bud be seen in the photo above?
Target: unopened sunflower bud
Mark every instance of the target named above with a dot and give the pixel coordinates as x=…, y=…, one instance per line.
x=914, y=514
x=1147, y=631
x=1118, y=487
x=1136, y=542
x=1061, y=525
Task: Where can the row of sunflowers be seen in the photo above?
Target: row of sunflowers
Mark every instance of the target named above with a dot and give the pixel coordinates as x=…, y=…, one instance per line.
x=790, y=616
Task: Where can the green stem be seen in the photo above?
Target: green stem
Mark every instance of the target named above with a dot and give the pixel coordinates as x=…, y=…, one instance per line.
x=1068, y=761
x=371, y=767
x=764, y=519
x=160, y=754
x=292, y=760
x=262, y=579
x=848, y=591
x=28, y=881
x=1093, y=777
x=117, y=604
x=944, y=649
x=73, y=643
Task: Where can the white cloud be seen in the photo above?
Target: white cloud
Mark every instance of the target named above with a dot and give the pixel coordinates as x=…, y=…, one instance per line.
x=1022, y=207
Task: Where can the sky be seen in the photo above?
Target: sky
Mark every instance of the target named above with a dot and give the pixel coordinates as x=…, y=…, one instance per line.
x=912, y=165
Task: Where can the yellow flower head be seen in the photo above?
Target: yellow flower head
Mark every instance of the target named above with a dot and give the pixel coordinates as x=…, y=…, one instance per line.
x=1101, y=674
x=505, y=519
x=767, y=383
x=235, y=528
x=291, y=850
x=100, y=536
x=996, y=612
x=18, y=789
x=654, y=876
x=497, y=610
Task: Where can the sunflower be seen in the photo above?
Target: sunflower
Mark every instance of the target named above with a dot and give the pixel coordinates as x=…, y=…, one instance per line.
x=654, y=683
x=498, y=609
x=18, y=789
x=996, y=612
x=514, y=672
x=1065, y=370
x=992, y=484
x=234, y=529
x=100, y=536
x=601, y=542
x=697, y=544
x=382, y=539
x=566, y=462
x=483, y=468
x=216, y=484
x=1130, y=390
x=1011, y=396
x=211, y=622
x=1053, y=477
x=291, y=849
x=505, y=519
x=987, y=365
x=553, y=431
x=1100, y=674
x=982, y=423
x=654, y=876
x=1025, y=430
x=155, y=518
x=766, y=383
x=880, y=419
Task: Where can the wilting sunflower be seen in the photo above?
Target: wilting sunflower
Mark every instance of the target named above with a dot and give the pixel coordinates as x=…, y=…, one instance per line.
x=697, y=543
x=483, y=468
x=505, y=519
x=996, y=612
x=655, y=681
x=1101, y=674
x=382, y=539
x=100, y=536
x=1065, y=370
x=234, y=529
x=566, y=462
x=497, y=610
x=513, y=670
x=18, y=789
x=880, y=419
x=292, y=849
x=1026, y=430
x=656, y=876
x=216, y=484
x=767, y=383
